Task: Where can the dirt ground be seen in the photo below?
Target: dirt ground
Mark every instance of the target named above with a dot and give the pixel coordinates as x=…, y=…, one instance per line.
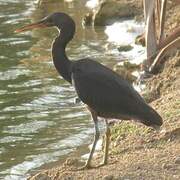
x=138, y=152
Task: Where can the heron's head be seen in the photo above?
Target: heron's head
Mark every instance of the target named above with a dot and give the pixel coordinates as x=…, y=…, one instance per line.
x=58, y=19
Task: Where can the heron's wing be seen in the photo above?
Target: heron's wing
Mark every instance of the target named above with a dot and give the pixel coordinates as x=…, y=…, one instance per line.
x=104, y=90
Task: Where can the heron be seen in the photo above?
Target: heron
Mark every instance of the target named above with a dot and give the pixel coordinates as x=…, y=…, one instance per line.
x=105, y=93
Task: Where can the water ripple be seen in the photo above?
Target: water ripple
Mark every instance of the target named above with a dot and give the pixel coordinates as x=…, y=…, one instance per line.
x=28, y=128
x=10, y=139
x=13, y=73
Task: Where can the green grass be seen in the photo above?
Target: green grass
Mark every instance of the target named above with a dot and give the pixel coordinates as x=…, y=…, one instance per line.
x=128, y=128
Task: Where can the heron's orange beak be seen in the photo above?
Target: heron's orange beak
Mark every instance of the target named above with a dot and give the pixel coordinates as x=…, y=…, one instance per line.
x=40, y=24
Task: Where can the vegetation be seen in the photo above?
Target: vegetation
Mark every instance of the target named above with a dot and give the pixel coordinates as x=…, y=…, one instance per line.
x=157, y=43
x=136, y=151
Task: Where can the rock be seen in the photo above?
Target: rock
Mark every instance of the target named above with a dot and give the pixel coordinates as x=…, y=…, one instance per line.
x=166, y=166
x=125, y=70
x=125, y=48
x=69, y=178
x=73, y=162
x=108, y=177
x=177, y=160
x=140, y=40
x=130, y=66
x=111, y=10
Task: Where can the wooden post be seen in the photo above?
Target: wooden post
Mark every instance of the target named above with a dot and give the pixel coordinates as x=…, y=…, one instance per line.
x=150, y=31
x=162, y=20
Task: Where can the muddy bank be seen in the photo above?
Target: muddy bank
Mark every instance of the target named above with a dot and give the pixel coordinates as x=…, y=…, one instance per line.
x=137, y=152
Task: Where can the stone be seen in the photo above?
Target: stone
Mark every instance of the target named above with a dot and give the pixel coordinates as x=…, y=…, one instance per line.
x=71, y=161
x=69, y=178
x=166, y=166
x=108, y=177
x=125, y=72
x=110, y=11
x=140, y=40
x=125, y=48
x=130, y=66
x=177, y=160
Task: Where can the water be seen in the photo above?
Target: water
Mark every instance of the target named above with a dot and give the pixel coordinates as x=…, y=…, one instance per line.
x=39, y=121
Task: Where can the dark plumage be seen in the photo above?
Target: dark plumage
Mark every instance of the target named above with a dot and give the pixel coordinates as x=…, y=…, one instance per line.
x=109, y=94
x=105, y=92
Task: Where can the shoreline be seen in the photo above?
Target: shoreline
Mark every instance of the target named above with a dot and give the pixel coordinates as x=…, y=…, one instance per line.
x=136, y=151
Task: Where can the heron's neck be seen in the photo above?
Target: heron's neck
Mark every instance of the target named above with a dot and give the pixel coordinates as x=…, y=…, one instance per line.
x=61, y=62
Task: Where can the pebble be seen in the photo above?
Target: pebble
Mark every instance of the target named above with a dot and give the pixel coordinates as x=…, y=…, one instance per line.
x=166, y=166
x=69, y=178
x=71, y=161
x=108, y=177
x=177, y=160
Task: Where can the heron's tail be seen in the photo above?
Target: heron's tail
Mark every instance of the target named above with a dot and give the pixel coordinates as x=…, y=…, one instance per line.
x=151, y=118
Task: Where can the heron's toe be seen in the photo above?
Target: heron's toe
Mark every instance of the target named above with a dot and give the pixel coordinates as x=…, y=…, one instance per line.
x=102, y=164
x=86, y=166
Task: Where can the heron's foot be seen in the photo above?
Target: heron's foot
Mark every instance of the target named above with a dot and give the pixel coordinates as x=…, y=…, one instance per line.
x=102, y=164
x=85, y=167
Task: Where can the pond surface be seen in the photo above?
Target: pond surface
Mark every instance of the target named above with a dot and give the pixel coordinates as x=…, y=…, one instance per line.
x=39, y=119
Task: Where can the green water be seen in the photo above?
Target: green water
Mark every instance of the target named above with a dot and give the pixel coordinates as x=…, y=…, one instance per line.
x=40, y=122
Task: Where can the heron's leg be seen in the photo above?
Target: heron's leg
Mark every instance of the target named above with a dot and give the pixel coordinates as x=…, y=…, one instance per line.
x=106, y=148
x=96, y=137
